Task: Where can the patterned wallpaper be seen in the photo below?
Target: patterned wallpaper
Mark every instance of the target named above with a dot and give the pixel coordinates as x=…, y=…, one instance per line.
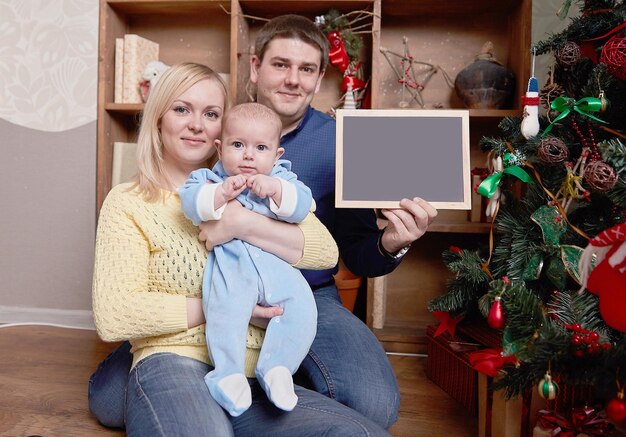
x=49, y=51
x=48, y=63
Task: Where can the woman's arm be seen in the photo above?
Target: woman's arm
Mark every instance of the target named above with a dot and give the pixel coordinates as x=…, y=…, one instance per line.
x=123, y=308
x=307, y=245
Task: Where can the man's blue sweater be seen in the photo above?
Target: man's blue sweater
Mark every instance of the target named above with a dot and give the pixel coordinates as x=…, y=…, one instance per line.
x=311, y=149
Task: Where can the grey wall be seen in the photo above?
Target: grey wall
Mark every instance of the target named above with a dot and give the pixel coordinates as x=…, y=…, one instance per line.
x=48, y=215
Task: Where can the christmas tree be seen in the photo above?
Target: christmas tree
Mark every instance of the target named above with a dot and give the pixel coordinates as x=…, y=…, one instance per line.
x=553, y=278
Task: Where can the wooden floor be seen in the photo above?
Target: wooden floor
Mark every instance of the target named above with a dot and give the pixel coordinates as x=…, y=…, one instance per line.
x=43, y=388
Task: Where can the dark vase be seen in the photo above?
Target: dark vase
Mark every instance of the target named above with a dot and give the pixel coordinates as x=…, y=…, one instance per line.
x=485, y=83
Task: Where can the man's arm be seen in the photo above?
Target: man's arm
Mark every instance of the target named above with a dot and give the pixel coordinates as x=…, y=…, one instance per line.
x=368, y=251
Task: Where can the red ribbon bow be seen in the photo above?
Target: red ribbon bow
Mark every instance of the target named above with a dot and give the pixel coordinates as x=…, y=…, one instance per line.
x=582, y=420
x=339, y=58
x=490, y=361
x=337, y=54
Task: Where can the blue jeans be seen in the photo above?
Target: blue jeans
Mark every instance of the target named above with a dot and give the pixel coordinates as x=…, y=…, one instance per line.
x=167, y=397
x=346, y=363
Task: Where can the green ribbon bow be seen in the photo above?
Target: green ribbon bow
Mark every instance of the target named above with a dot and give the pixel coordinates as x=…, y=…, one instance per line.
x=584, y=106
x=489, y=185
x=564, y=258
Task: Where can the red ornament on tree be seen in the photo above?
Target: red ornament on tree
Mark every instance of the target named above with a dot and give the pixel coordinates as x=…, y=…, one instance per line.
x=496, y=319
x=616, y=408
x=614, y=56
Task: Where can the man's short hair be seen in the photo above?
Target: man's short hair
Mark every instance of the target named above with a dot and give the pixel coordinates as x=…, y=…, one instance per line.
x=296, y=27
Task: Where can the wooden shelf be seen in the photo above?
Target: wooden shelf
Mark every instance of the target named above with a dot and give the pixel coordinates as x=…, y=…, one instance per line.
x=166, y=7
x=124, y=108
x=449, y=34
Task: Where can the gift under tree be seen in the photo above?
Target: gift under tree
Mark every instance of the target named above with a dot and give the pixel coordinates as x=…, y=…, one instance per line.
x=553, y=278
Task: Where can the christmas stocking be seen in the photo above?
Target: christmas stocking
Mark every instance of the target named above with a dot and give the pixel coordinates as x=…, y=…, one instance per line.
x=608, y=279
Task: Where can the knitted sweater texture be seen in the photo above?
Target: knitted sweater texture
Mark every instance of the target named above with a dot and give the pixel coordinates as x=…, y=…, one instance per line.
x=149, y=260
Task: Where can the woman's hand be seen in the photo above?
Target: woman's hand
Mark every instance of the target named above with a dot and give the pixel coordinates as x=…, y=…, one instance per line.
x=216, y=232
x=261, y=316
x=195, y=315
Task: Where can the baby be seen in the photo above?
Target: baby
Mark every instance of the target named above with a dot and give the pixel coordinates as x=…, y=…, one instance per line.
x=238, y=275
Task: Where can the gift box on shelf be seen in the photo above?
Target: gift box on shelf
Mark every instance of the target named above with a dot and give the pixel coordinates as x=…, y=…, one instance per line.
x=579, y=421
x=501, y=417
x=518, y=417
x=477, y=329
x=570, y=396
x=448, y=366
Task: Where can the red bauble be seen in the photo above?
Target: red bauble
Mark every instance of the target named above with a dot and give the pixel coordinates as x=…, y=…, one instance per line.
x=496, y=319
x=614, y=56
x=616, y=409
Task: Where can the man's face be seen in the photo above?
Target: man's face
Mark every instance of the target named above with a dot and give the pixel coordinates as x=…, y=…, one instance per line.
x=288, y=78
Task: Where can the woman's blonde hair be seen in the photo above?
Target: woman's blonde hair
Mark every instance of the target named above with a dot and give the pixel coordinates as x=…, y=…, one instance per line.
x=176, y=80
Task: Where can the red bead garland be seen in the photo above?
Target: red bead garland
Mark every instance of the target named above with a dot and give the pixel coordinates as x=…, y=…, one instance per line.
x=594, y=154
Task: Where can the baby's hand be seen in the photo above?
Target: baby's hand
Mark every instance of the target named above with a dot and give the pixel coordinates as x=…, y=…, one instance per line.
x=263, y=185
x=233, y=186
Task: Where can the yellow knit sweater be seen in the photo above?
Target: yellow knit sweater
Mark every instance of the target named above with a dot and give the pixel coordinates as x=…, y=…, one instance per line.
x=149, y=260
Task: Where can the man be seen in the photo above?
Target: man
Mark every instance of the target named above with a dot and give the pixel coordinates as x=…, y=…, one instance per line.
x=346, y=361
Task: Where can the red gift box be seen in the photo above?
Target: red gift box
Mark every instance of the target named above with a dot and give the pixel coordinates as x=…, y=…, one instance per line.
x=448, y=366
x=479, y=331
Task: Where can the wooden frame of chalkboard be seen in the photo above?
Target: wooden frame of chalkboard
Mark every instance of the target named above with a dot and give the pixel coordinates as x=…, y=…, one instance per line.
x=385, y=155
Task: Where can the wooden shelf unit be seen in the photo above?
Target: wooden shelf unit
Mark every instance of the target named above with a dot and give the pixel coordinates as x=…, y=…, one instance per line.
x=221, y=33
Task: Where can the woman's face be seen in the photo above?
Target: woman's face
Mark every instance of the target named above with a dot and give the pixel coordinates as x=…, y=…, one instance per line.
x=190, y=126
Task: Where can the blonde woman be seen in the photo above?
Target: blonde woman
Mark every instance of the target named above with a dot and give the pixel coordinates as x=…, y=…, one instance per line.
x=148, y=278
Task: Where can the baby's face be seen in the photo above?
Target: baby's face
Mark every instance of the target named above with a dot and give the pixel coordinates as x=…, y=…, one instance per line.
x=249, y=147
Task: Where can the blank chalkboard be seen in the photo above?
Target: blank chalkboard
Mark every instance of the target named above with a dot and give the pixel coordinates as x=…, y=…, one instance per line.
x=384, y=156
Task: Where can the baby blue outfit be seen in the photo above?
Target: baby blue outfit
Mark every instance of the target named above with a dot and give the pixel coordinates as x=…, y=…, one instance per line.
x=239, y=275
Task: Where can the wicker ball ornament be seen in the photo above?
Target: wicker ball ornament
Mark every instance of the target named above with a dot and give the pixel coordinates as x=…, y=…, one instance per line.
x=552, y=150
x=614, y=56
x=600, y=175
x=568, y=53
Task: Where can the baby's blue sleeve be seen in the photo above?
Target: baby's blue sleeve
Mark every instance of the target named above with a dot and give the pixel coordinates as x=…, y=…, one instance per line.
x=304, y=199
x=189, y=192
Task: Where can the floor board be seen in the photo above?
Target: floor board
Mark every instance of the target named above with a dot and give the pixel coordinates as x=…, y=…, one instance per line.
x=44, y=373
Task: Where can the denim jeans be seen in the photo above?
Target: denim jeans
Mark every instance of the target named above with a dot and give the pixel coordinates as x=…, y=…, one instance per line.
x=167, y=397
x=346, y=363
x=107, y=387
